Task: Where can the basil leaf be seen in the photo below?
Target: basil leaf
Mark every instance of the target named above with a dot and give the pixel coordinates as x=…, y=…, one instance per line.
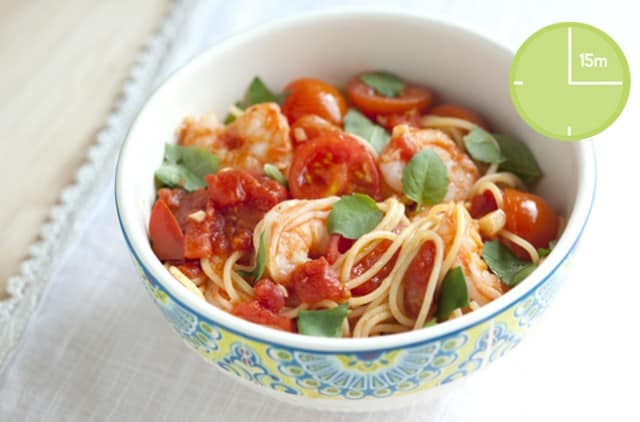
x=258, y=93
x=385, y=83
x=504, y=263
x=357, y=124
x=482, y=147
x=261, y=261
x=453, y=294
x=542, y=252
x=186, y=167
x=323, y=323
x=518, y=159
x=352, y=216
x=424, y=179
x=272, y=171
x=230, y=117
x=433, y=321
x=523, y=273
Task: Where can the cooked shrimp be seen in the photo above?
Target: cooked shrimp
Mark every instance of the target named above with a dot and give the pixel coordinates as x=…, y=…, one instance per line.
x=463, y=247
x=294, y=232
x=406, y=141
x=257, y=137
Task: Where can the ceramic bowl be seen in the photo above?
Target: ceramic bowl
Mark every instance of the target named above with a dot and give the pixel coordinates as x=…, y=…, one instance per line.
x=349, y=374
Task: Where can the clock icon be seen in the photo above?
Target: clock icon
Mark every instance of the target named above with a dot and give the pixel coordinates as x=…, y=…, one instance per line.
x=569, y=81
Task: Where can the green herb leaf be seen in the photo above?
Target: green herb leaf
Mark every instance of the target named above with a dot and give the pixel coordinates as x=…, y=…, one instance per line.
x=504, y=263
x=323, y=323
x=259, y=93
x=523, y=273
x=542, y=252
x=518, y=159
x=453, y=294
x=230, y=117
x=424, y=179
x=433, y=321
x=482, y=147
x=272, y=171
x=186, y=167
x=352, y=216
x=385, y=83
x=357, y=123
x=261, y=261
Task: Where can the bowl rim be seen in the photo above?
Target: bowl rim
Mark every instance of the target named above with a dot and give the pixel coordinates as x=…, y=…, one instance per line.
x=154, y=269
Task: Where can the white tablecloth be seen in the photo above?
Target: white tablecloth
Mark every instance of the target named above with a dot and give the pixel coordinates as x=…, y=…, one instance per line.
x=97, y=349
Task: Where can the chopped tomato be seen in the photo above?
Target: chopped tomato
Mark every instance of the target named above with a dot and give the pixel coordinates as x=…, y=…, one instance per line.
x=167, y=239
x=482, y=204
x=333, y=164
x=269, y=294
x=371, y=103
x=389, y=121
x=530, y=217
x=459, y=112
x=310, y=126
x=182, y=204
x=316, y=280
x=230, y=188
x=254, y=311
x=367, y=262
x=417, y=277
x=192, y=269
x=336, y=246
x=313, y=96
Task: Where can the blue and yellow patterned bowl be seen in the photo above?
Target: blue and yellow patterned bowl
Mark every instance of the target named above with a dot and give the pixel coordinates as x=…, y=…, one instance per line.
x=349, y=374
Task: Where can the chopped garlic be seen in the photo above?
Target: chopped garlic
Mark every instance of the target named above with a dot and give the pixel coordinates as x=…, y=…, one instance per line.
x=492, y=223
x=198, y=216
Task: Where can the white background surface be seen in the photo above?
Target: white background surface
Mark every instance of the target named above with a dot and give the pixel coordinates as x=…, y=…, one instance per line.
x=97, y=349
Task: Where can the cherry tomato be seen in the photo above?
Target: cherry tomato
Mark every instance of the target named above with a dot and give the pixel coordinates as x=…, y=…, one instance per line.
x=313, y=96
x=530, y=217
x=310, y=126
x=269, y=294
x=254, y=311
x=336, y=246
x=333, y=164
x=366, y=262
x=389, y=121
x=316, y=280
x=167, y=239
x=459, y=112
x=417, y=277
x=482, y=204
x=370, y=102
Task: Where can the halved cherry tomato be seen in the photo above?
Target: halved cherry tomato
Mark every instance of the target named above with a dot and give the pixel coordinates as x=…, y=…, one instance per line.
x=530, y=217
x=313, y=96
x=310, y=126
x=459, y=112
x=167, y=239
x=371, y=103
x=254, y=311
x=314, y=281
x=417, y=276
x=367, y=262
x=389, y=121
x=333, y=164
x=482, y=204
x=336, y=246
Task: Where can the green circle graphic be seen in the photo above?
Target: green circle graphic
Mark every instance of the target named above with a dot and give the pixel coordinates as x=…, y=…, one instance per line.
x=569, y=81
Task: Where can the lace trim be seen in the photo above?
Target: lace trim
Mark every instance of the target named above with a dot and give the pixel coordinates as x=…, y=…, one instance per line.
x=27, y=287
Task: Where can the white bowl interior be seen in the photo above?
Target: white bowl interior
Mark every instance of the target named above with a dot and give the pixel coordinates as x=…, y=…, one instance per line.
x=459, y=66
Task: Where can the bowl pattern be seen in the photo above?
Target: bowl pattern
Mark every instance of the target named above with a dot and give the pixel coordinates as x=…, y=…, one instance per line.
x=362, y=375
